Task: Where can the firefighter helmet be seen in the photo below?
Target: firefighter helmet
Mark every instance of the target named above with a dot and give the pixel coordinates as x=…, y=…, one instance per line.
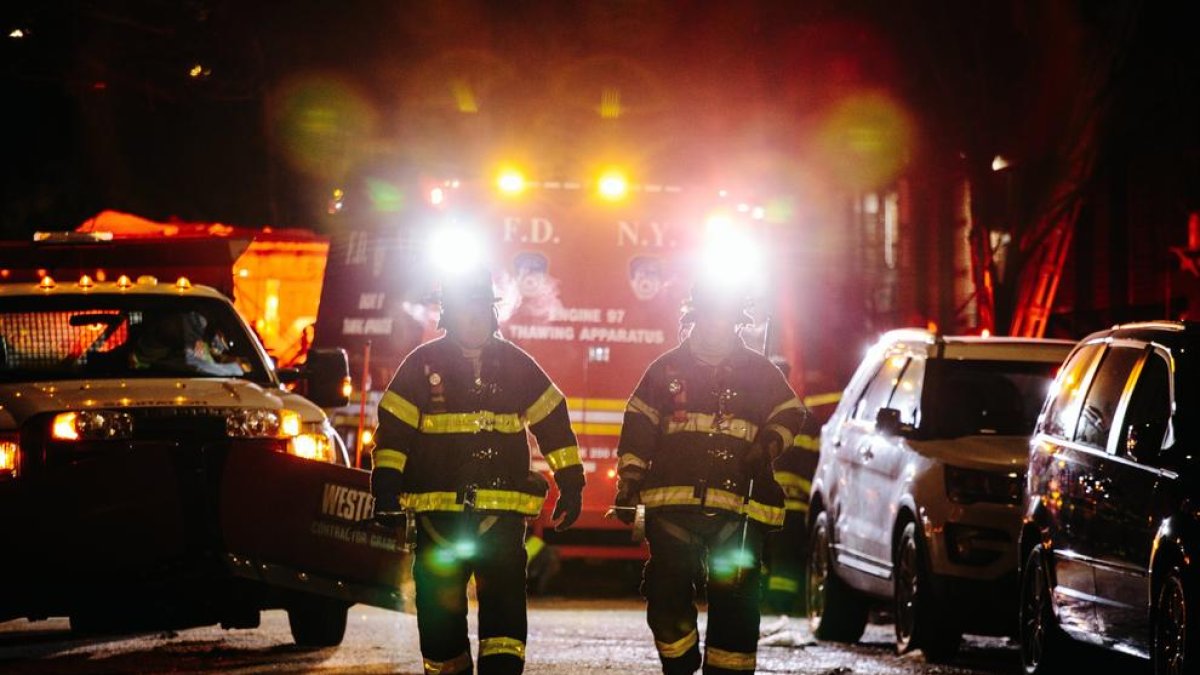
x=711, y=298
x=465, y=288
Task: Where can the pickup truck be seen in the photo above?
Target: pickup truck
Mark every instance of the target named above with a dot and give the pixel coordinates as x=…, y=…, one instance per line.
x=157, y=471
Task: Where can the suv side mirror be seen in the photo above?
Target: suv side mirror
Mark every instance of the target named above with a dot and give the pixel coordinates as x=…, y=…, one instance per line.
x=1144, y=441
x=326, y=372
x=887, y=422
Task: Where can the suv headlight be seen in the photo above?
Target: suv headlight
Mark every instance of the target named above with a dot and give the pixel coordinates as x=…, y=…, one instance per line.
x=92, y=425
x=967, y=486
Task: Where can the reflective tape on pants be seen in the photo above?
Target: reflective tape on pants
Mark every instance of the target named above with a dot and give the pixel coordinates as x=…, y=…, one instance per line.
x=495, y=646
x=456, y=665
x=719, y=658
x=676, y=649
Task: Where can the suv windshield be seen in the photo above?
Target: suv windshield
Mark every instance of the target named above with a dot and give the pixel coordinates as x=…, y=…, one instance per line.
x=970, y=398
x=124, y=336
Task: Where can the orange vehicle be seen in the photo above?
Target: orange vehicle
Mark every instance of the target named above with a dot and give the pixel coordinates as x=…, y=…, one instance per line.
x=592, y=276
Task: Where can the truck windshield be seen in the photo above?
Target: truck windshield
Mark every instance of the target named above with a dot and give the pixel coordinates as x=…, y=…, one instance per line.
x=124, y=336
x=978, y=397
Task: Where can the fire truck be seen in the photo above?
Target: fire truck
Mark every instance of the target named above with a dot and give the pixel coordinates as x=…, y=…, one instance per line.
x=591, y=276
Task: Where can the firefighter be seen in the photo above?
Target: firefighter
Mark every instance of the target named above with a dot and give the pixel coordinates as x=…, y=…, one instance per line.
x=787, y=549
x=699, y=435
x=452, y=453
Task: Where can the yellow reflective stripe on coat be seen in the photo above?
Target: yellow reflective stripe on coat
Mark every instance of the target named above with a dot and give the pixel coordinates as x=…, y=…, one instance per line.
x=785, y=434
x=807, y=442
x=783, y=584
x=384, y=458
x=676, y=649
x=471, y=423
x=794, y=485
x=790, y=404
x=717, y=499
x=400, y=408
x=456, y=665
x=705, y=423
x=563, y=457
x=630, y=459
x=719, y=658
x=501, y=645
x=795, y=505
x=485, y=500
x=639, y=406
x=545, y=405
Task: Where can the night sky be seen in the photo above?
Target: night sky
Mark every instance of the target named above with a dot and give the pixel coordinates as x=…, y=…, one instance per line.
x=253, y=113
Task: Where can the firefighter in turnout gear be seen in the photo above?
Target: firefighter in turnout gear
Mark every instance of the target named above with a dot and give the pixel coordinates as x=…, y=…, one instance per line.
x=787, y=549
x=452, y=452
x=699, y=435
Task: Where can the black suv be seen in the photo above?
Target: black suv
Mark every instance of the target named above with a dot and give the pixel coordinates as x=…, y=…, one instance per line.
x=1111, y=529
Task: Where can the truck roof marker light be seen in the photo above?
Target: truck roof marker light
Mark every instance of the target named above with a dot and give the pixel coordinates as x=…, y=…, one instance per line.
x=46, y=283
x=613, y=185
x=437, y=196
x=511, y=182
x=85, y=282
x=183, y=284
x=147, y=280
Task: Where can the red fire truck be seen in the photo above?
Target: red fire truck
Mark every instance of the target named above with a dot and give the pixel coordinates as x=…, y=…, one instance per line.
x=591, y=274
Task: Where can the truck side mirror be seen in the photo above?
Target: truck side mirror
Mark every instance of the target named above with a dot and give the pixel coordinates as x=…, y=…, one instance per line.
x=326, y=371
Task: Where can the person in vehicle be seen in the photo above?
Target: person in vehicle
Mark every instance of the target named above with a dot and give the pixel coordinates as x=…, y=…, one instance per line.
x=178, y=342
x=452, y=452
x=699, y=435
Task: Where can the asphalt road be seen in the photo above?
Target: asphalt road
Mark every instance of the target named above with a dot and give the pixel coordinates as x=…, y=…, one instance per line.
x=575, y=636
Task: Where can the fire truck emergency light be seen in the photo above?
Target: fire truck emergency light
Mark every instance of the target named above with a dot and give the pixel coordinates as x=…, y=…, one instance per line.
x=730, y=252
x=613, y=185
x=511, y=182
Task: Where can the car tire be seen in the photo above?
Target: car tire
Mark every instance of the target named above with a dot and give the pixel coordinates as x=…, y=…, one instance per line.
x=317, y=622
x=920, y=619
x=1044, y=646
x=836, y=612
x=1174, y=649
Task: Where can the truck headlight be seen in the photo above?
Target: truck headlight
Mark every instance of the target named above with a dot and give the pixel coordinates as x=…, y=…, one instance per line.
x=262, y=424
x=967, y=486
x=91, y=425
x=10, y=458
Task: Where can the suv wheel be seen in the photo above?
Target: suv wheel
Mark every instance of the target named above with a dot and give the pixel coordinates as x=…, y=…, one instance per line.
x=317, y=621
x=1043, y=644
x=920, y=622
x=835, y=611
x=1173, y=643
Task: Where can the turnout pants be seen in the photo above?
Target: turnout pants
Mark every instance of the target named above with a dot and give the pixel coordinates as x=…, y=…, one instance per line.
x=451, y=547
x=691, y=548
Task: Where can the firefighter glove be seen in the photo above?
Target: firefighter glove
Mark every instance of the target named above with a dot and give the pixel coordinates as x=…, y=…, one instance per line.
x=628, y=495
x=570, y=497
